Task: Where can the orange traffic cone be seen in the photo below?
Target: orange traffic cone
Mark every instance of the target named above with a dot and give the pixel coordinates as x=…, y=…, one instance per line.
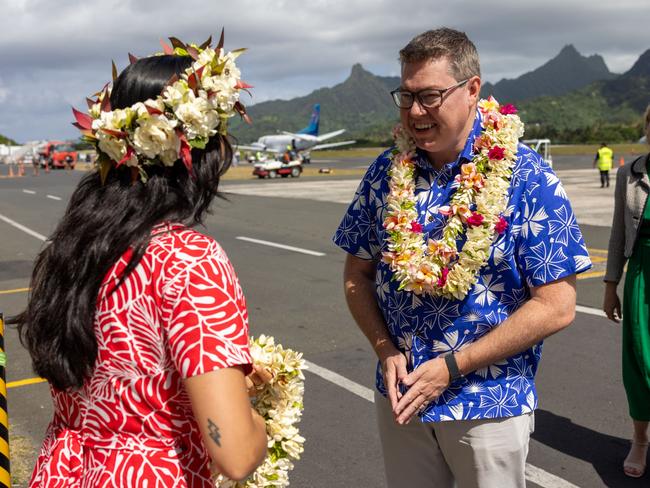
x=621, y=161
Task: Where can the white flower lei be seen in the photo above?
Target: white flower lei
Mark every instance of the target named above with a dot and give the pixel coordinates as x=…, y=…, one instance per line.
x=280, y=404
x=435, y=267
x=191, y=109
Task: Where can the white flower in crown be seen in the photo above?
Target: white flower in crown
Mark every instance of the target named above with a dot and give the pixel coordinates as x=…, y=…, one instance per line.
x=113, y=147
x=156, y=136
x=176, y=94
x=197, y=116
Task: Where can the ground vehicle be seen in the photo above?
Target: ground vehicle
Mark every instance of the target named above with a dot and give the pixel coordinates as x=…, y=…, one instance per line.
x=57, y=154
x=272, y=168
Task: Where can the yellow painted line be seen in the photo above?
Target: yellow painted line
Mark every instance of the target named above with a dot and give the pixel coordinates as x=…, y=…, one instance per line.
x=591, y=249
x=592, y=274
x=28, y=381
x=597, y=259
x=16, y=290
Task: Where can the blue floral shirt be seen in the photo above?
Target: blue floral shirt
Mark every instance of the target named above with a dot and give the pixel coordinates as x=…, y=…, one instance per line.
x=542, y=243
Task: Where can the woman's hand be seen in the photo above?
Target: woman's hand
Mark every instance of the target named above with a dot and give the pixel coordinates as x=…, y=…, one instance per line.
x=611, y=303
x=257, y=379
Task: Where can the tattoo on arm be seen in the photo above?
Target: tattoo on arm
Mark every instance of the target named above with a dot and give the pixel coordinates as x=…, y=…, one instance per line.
x=214, y=432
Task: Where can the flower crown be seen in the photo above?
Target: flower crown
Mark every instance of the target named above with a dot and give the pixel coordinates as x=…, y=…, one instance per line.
x=191, y=108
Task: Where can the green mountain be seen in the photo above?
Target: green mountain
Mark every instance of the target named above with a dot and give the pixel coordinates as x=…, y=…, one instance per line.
x=604, y=110
x=7, y=141
x=567, y=71
x=571, y=98
x=361, y=104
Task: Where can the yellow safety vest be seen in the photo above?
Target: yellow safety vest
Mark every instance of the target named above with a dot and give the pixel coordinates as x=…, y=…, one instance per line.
x=605, y=158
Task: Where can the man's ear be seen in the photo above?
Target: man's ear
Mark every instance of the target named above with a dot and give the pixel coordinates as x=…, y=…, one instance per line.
x=474, y=87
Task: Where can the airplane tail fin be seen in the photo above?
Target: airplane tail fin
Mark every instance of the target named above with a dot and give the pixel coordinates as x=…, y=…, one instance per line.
x=312, y=128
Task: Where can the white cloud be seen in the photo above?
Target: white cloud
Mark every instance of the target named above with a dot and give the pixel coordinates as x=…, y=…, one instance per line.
x=54, y=53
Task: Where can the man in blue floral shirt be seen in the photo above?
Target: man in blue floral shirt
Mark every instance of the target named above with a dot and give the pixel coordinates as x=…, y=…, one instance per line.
x=465, y=367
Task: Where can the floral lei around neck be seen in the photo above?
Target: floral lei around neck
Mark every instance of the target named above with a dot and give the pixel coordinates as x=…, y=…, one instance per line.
x=436, y=267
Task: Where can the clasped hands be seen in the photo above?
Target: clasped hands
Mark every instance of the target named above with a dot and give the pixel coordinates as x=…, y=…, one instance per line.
x=425, y=384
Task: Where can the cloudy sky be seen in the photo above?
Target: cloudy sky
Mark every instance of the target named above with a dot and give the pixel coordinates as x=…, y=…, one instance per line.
x=53, y=53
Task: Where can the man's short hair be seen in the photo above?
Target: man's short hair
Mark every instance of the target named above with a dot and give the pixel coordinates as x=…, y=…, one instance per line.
x=448, y=43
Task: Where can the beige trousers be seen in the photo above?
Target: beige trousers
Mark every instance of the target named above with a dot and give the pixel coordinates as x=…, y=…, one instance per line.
x=488, y=453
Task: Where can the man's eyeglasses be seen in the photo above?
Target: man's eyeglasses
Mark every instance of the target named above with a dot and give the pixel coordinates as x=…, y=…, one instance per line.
x=428, y=98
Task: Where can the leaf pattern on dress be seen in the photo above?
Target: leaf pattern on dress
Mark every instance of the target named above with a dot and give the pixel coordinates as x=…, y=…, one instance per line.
x=180, y=313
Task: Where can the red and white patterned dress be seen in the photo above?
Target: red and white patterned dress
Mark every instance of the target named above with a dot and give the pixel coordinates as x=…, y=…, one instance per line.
x=180, y=313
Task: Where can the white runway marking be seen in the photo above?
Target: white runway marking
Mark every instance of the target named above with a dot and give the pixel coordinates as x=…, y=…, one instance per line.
x=23, y=228
x=590, y=311
x=533, y=473
x=31, y=192
x=53, y=197
x=280, y=246
x=342, y=381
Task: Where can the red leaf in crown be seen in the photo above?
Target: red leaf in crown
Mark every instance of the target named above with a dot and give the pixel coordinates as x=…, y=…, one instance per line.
x=115, y=133
x=192, y=82
x=247, y=119
x=220, y=43
x=114, y=70
x=186, y=151
x=86, y=132
x=206, y=43
x=242, y=85
x=192, y=51
x=85, y=121
x=106, y=102
x=90, y=102
x=176, y=43
x=152, y=110
x=166, y=48
x=132, y=58
x=129, y=152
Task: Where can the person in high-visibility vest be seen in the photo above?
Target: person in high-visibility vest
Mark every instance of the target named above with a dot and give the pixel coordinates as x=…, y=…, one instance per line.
x=604, y=159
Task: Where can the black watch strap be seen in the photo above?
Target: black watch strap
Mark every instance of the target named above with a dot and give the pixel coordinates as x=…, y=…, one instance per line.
x=452, y=366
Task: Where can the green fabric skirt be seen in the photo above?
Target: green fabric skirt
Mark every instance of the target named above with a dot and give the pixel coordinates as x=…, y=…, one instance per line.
x=636, y=331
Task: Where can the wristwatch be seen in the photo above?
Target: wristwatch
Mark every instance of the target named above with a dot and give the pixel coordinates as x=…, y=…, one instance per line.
x=452, y=366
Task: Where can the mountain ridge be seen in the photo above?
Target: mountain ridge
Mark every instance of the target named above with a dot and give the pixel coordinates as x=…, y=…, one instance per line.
x=361, y=103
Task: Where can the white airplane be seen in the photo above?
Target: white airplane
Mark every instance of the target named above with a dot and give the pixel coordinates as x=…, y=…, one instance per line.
x=306, y=139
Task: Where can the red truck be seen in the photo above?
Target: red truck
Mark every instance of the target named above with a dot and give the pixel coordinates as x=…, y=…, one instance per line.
x=57, y=154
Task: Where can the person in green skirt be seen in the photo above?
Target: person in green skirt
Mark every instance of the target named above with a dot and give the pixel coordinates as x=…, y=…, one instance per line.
x=630, y=241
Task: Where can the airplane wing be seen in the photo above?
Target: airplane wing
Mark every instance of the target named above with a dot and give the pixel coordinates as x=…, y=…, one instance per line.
x=331, y=144
x=298, y=136
x=324, y=137
x=242, y=147
x=329, y=135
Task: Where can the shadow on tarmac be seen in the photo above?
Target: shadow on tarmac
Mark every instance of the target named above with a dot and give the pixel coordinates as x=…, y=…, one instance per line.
x=604, y=452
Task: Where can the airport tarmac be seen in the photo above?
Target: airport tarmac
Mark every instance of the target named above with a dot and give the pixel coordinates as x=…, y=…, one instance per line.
x=295, y=294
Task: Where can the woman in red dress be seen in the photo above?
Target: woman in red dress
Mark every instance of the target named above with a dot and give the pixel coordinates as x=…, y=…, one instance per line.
x=138, y=321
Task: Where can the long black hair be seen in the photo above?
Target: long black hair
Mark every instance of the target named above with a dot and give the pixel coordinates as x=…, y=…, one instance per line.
x=102, y=221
